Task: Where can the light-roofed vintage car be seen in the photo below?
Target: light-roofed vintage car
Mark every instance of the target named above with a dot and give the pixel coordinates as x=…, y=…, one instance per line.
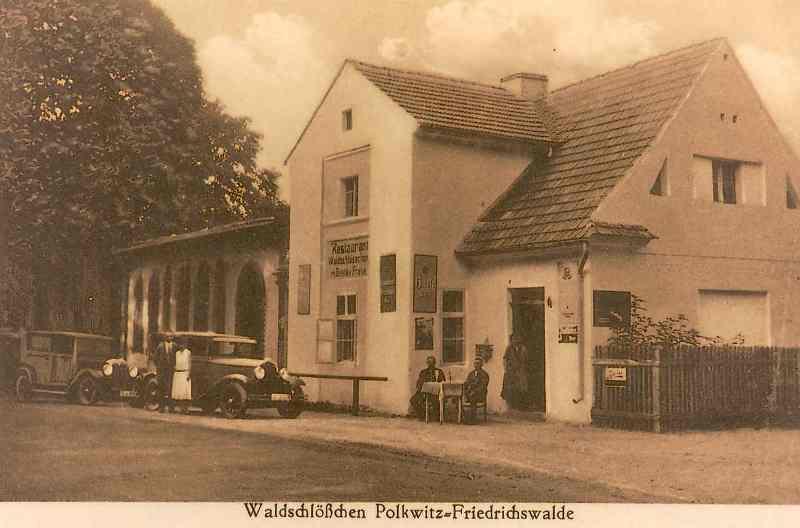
x=228, y=372
x=59, y=363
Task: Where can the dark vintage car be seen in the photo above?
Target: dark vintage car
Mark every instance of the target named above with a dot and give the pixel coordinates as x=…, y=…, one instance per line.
x=62, y=363
x=228, y=372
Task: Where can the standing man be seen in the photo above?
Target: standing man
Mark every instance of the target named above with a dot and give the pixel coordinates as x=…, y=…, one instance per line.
x=515, y=378
x=475, y=388
x=165, y=363
x=429, y=373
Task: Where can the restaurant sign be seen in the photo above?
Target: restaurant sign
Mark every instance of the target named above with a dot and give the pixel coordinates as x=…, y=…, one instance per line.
x=347, y=258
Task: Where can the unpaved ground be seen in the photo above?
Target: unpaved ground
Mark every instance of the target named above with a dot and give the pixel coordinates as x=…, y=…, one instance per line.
x=54, y=452
x=736, y=466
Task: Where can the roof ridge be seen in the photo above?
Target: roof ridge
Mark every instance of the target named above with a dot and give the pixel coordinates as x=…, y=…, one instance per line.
x=437, y=76
x=637, y=63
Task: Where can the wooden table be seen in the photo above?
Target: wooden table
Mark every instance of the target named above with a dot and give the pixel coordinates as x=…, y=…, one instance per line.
x=354, y=379
x=444, y=390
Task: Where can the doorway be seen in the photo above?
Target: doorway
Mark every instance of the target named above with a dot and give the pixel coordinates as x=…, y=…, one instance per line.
x=251, y=304
x=527, y=324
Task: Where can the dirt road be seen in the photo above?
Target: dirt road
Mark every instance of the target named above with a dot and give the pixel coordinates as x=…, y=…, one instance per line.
x=55, y=452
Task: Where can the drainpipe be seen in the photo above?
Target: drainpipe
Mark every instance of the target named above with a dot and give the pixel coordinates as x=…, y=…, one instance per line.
x=584, y=269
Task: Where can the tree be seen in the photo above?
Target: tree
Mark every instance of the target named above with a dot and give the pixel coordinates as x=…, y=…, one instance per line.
x=106, y=135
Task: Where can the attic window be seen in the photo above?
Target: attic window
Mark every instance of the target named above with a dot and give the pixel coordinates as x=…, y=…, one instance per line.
x=347, y=119
x=661, y=185
x=725, y=181
x=791, y=195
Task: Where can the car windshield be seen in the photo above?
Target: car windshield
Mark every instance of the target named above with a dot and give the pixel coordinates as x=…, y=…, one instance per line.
x=236, y=349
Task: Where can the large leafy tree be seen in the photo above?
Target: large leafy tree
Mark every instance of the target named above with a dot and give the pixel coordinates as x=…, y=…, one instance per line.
x=106, y=135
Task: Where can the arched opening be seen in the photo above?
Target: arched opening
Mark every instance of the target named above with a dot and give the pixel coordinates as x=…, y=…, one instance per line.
x=250, y=308
x=219, y=297
x=202, y=289
x=153, y=300
x=138, y=327
x=184, y=288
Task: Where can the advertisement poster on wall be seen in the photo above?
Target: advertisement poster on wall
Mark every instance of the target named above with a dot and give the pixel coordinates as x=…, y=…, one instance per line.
x=425, y=283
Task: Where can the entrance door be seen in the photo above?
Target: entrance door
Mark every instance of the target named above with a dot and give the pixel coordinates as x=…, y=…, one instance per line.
x=527, y=323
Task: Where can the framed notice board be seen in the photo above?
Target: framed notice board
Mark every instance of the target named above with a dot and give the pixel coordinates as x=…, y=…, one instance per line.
x=304, y=289
x=425, y=283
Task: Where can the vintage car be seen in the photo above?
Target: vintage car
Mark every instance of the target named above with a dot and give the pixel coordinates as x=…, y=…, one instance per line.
x=228, y=372
x=62, y=363
x=121, y=381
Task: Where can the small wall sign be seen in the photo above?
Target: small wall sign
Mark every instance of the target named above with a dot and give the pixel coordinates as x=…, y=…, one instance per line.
x=616, y=376
x=425, y=283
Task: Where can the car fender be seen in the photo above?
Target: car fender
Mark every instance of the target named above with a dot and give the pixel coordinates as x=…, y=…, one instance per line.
x=230, y=378
x=28, y=370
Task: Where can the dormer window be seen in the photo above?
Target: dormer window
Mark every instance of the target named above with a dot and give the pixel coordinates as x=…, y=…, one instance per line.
x=724, y=181
x=347, y=119
x=350, y=191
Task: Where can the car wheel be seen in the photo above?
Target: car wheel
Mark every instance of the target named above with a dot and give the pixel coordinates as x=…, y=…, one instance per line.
x=290, y=409
x=87, y=391
x=151, y=395
x=233, y=402
x=24, y=388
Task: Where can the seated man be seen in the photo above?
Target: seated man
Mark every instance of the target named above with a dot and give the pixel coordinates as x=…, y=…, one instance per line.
x=429, y=373
x=475, y=388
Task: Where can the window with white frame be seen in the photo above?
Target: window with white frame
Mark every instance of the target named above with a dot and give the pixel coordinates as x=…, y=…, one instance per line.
x=350, y=192
x=453, y=326
x=346, y=330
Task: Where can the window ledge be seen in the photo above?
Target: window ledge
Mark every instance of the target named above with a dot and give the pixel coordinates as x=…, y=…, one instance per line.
x=346, y=221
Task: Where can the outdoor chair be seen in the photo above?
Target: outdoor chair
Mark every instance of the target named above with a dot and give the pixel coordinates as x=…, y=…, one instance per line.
x=478, y=406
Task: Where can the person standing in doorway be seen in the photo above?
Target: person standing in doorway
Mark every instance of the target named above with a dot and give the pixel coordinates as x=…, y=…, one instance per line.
x=182, y=378
x=165, y=363
x=515, y=378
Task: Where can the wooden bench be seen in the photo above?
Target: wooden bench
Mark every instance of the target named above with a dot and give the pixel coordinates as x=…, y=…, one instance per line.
x=355, y=379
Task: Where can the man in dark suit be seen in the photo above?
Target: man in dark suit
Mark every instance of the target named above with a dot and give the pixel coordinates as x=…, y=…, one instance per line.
x=429, y=373
x=475, y=387
x=165, y=363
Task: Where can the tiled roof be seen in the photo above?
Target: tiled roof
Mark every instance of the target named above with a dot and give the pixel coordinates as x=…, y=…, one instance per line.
x=465, y=106
x=605, y=123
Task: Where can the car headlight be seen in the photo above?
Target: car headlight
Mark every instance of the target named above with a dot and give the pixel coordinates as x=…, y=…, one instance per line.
x=108, y=369
x=133, y=372
x=284, y=373
x=259, y=372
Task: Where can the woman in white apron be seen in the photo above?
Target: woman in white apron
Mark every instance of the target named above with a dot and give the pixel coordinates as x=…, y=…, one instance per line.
x=182, y=379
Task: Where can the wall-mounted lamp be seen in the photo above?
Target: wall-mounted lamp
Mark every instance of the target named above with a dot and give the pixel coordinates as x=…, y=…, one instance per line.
x=549, y=302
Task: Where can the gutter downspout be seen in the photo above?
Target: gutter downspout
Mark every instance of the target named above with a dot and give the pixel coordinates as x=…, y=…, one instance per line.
x=584, y=269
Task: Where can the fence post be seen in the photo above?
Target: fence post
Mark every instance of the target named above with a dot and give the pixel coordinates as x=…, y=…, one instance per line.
x=657, y=389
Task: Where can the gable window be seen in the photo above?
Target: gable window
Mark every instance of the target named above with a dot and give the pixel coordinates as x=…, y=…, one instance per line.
x=791, y=195
x=612, y=308
x=347, y=119
x=350, y=189
x=346, y=332
x=660, y=186
x=724, y=175
x=453, y=326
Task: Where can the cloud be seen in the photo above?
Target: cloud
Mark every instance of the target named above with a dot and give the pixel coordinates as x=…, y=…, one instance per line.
x=776, y=76
x=485, y=39
x=395, y=49
x=272, y=72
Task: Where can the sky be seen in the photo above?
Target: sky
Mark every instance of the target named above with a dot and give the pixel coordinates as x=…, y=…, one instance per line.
x=272, y=60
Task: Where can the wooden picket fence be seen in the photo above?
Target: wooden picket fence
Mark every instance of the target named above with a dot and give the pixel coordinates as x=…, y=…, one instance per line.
x=658, y=389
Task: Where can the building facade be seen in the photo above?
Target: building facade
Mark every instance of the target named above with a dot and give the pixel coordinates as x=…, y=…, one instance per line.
x=440, y=216
x=228, y=279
